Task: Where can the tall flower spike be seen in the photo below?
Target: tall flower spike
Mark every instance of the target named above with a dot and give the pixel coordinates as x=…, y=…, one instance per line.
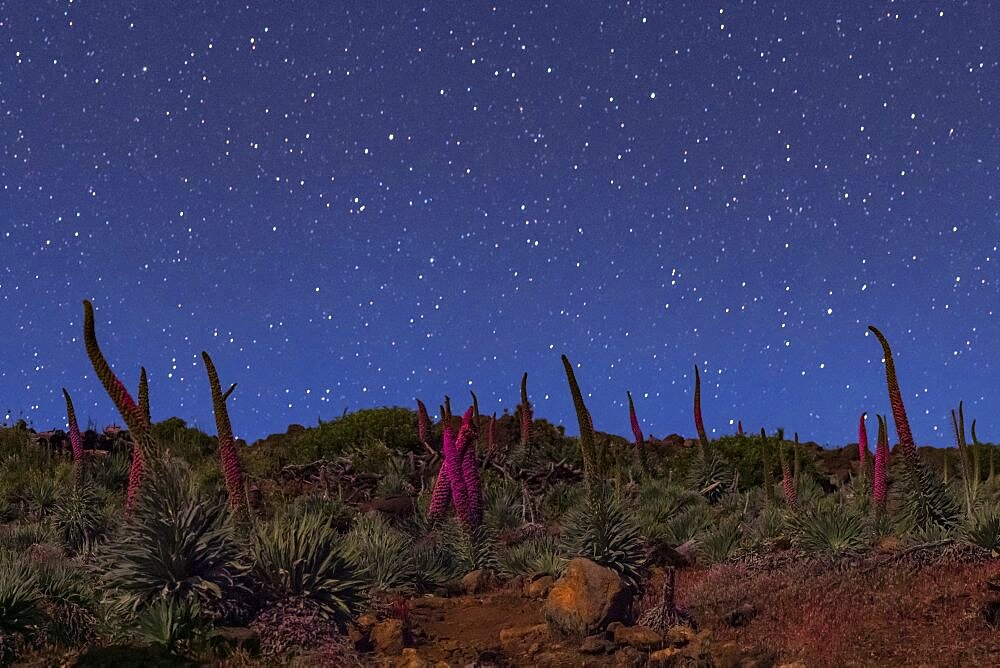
x=75, y=439
x=447, y=408
x=144, y=396
x=138, y=428
x=787, y=480
x=640, y=442
x=453, y=462
x=231, y=469
x=881, y=465
x=466, y=451
x=491, y=435
x=423, y=424
x=739, y=428
x=896, y=398
x=526, y=413
x=765, y=455
x=698, y=423
x=798, y=465
x=588, y=439
x=862, y=441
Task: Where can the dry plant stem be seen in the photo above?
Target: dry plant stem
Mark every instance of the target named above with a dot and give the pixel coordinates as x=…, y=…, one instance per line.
x=229, y=458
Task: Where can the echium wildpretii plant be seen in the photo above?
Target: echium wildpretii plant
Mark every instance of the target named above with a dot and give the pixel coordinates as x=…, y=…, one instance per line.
x=640, y=444
x=588, y=439
x=710, y=473
x=601, y=530
x=862, y=442
x=75, y=439
x=136, y=419
x=927, y=503
x=458, y=481
x=978, y=445
x=879, y=490
x=229, y=458
x=788, y=478
x=969, y=458
x=765, y=455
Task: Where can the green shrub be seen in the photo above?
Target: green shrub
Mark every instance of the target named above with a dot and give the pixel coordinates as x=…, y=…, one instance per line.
x=301, y=556
x=533, y=557
x=720, y=543
x=170, y=624
x=78, y=517
x=178, y=543
x=602, y=531
x=395, y=427
x=381, y=556
x=831, y=530
x=983, y=528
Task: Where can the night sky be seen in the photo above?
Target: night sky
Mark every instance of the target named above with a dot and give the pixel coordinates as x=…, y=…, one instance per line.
x=354, y=204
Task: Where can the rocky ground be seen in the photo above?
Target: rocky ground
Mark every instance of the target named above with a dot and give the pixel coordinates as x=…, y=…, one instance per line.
x=899, y=609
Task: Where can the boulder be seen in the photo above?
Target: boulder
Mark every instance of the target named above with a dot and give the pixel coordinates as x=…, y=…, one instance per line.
x=238, y=637
x=741, y=616
x=679, y=635
x=586, y=599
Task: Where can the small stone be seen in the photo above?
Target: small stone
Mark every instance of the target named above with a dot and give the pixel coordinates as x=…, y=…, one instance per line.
x=663, y=657
x=516, y=637
x=410, y=659
x=629, y=657
x=388, y=637
x=679, y=635
x=476, y=582
x=541, y=587
x=641, y=637
x=595, y=644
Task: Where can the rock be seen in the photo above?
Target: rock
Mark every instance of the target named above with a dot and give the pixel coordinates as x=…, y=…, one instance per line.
x=629, y=657
x=663, y=657
x=595, y=644
x=641, y=637
x=514, y=638
x=476, y=582
x=389, y=637
x=679, y=635
x=541, y=587
x=741, y=616
x=586, y=599
x=410, y=659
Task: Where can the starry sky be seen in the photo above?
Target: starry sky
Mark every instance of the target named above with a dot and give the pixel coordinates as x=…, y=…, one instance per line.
x=352, y=204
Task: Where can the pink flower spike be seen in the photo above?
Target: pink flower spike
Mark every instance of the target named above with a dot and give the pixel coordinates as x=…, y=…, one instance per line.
x=862, y=441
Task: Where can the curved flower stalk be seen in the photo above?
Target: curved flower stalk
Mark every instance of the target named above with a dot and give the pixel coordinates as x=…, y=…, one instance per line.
x=906, y=443
x=475, y=407
x=231, y=469
x=881, y=465
x=640, y=443
x=739, y=428
x=862, y=441
x=135, y=421
x=491, y=436
x=423, y=428
x=698, y=423
x=75, y=439
x=588, y=439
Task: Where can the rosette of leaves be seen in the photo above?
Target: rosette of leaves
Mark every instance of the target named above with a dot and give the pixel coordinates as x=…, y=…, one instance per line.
x=710, y=474
x=170, y=624
x=300, y=556
x=720, y=544
x=176, y=544
x=504, y=505
x=20, y=598
x=657, y=503
x=603, y=531
x=542, y=555
x=982, y=529
x=77, y=517
x=830, y=530
x=381, y=555
x=925, y=504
